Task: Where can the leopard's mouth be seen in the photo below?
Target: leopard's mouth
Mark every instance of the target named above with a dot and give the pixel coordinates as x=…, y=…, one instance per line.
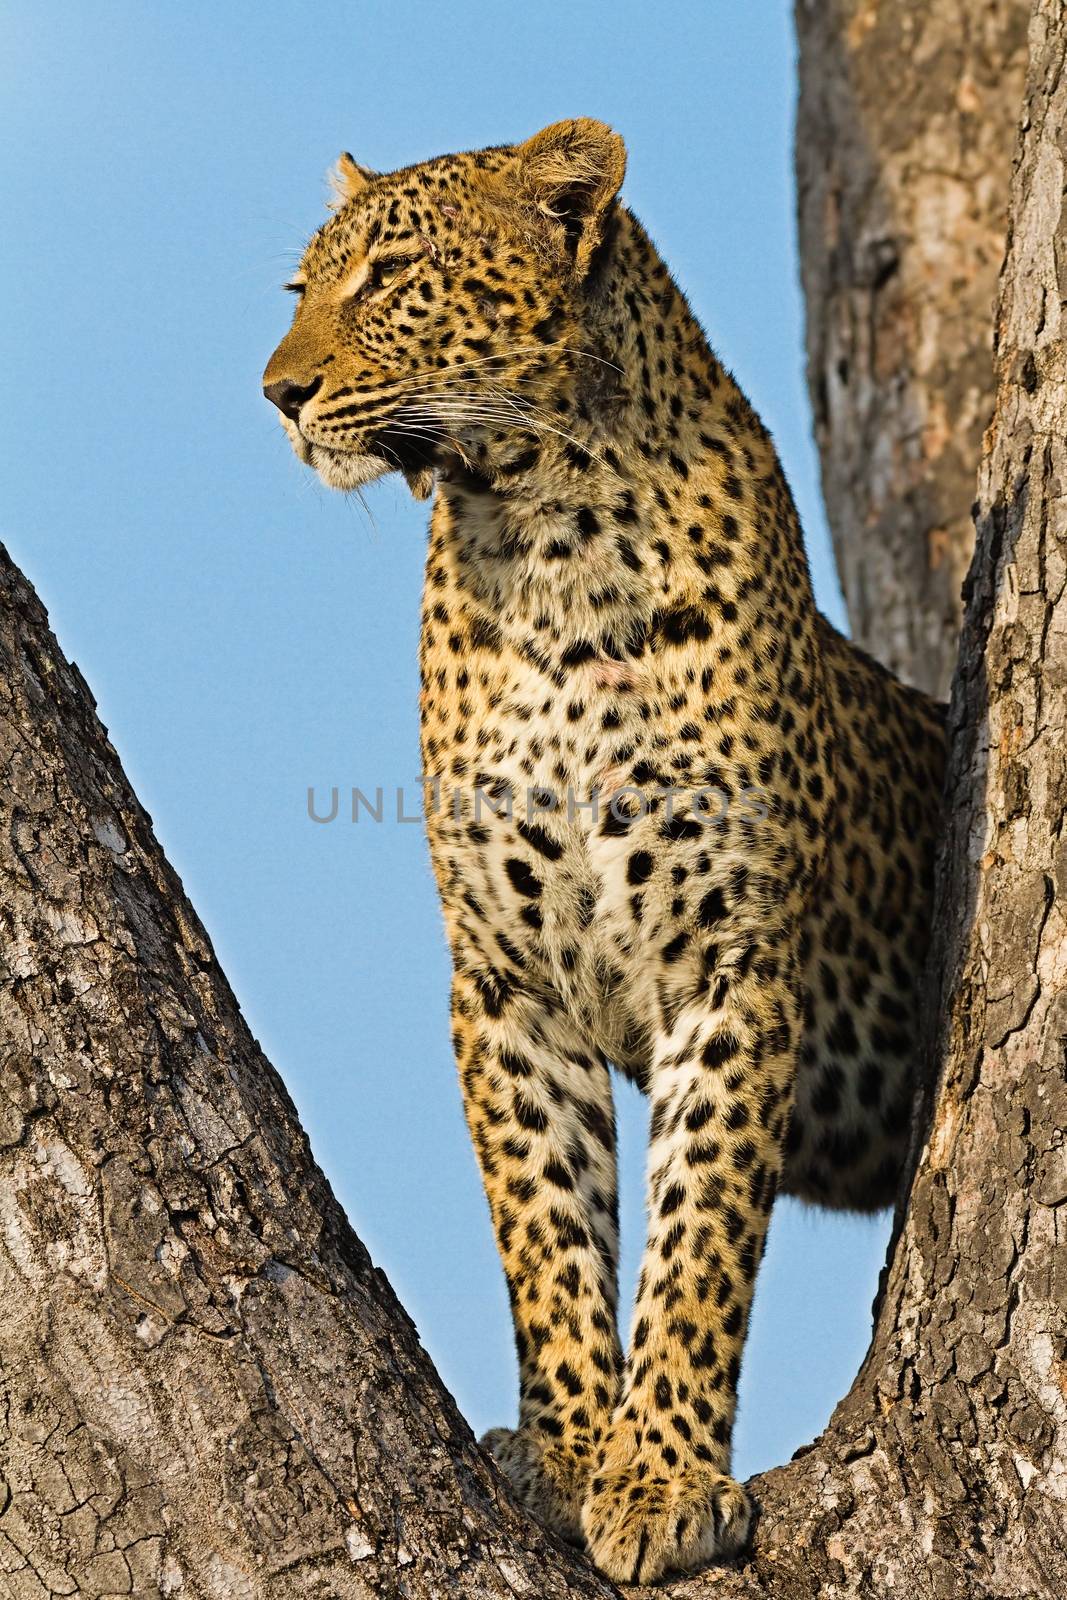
x=389, y=450
x=403, y=452
x=417, y=459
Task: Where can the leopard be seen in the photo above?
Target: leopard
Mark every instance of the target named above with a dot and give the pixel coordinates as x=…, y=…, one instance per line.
x=682, y=829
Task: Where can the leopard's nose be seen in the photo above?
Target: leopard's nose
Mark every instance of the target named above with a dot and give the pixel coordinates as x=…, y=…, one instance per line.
x=289, y=396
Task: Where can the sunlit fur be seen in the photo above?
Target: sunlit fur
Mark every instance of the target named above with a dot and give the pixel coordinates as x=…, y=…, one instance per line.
x=617, y=597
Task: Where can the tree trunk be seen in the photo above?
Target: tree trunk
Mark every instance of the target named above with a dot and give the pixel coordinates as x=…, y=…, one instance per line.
x=905, y=130
x=207, y=1389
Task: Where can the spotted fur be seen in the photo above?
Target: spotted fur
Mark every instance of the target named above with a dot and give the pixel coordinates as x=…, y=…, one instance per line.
x=618, y=603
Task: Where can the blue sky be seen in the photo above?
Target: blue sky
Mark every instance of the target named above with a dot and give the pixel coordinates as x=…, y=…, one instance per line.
x=247, y=634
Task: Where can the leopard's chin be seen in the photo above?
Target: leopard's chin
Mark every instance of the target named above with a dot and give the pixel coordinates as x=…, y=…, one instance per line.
x=351, y=469
x=339, y=469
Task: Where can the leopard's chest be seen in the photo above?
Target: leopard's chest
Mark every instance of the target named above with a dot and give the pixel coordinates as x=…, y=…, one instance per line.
x=533, y=866
x=544, y=692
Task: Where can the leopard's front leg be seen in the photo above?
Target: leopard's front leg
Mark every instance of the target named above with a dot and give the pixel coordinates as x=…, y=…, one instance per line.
x=661, y=1497
x=539, y=1106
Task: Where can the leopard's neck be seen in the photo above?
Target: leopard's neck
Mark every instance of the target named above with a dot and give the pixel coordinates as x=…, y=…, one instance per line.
x=652, y=487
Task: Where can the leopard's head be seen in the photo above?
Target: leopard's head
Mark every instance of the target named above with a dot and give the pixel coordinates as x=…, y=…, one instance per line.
x=442, y=310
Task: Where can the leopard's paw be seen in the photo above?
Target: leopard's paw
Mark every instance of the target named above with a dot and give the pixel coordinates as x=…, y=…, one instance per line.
x=549, y=1479
x=638, y=1528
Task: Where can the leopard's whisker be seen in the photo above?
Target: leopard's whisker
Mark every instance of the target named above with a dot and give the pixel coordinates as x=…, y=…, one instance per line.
x=524, y=412
x=468, y=363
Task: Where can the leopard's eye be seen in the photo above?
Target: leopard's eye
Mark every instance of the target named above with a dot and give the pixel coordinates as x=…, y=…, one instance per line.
x=386, y=270
x=294, y=288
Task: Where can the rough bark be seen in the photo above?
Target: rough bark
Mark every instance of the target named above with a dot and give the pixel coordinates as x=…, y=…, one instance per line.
x=905, y=131
x=205, y=1387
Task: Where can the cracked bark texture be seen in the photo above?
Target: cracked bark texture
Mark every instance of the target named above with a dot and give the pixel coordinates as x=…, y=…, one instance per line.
x=905, y=131
x=207, y=1390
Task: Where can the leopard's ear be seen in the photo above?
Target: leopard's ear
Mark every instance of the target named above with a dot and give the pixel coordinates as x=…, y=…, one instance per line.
x=347, y=179
x=571, y=172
